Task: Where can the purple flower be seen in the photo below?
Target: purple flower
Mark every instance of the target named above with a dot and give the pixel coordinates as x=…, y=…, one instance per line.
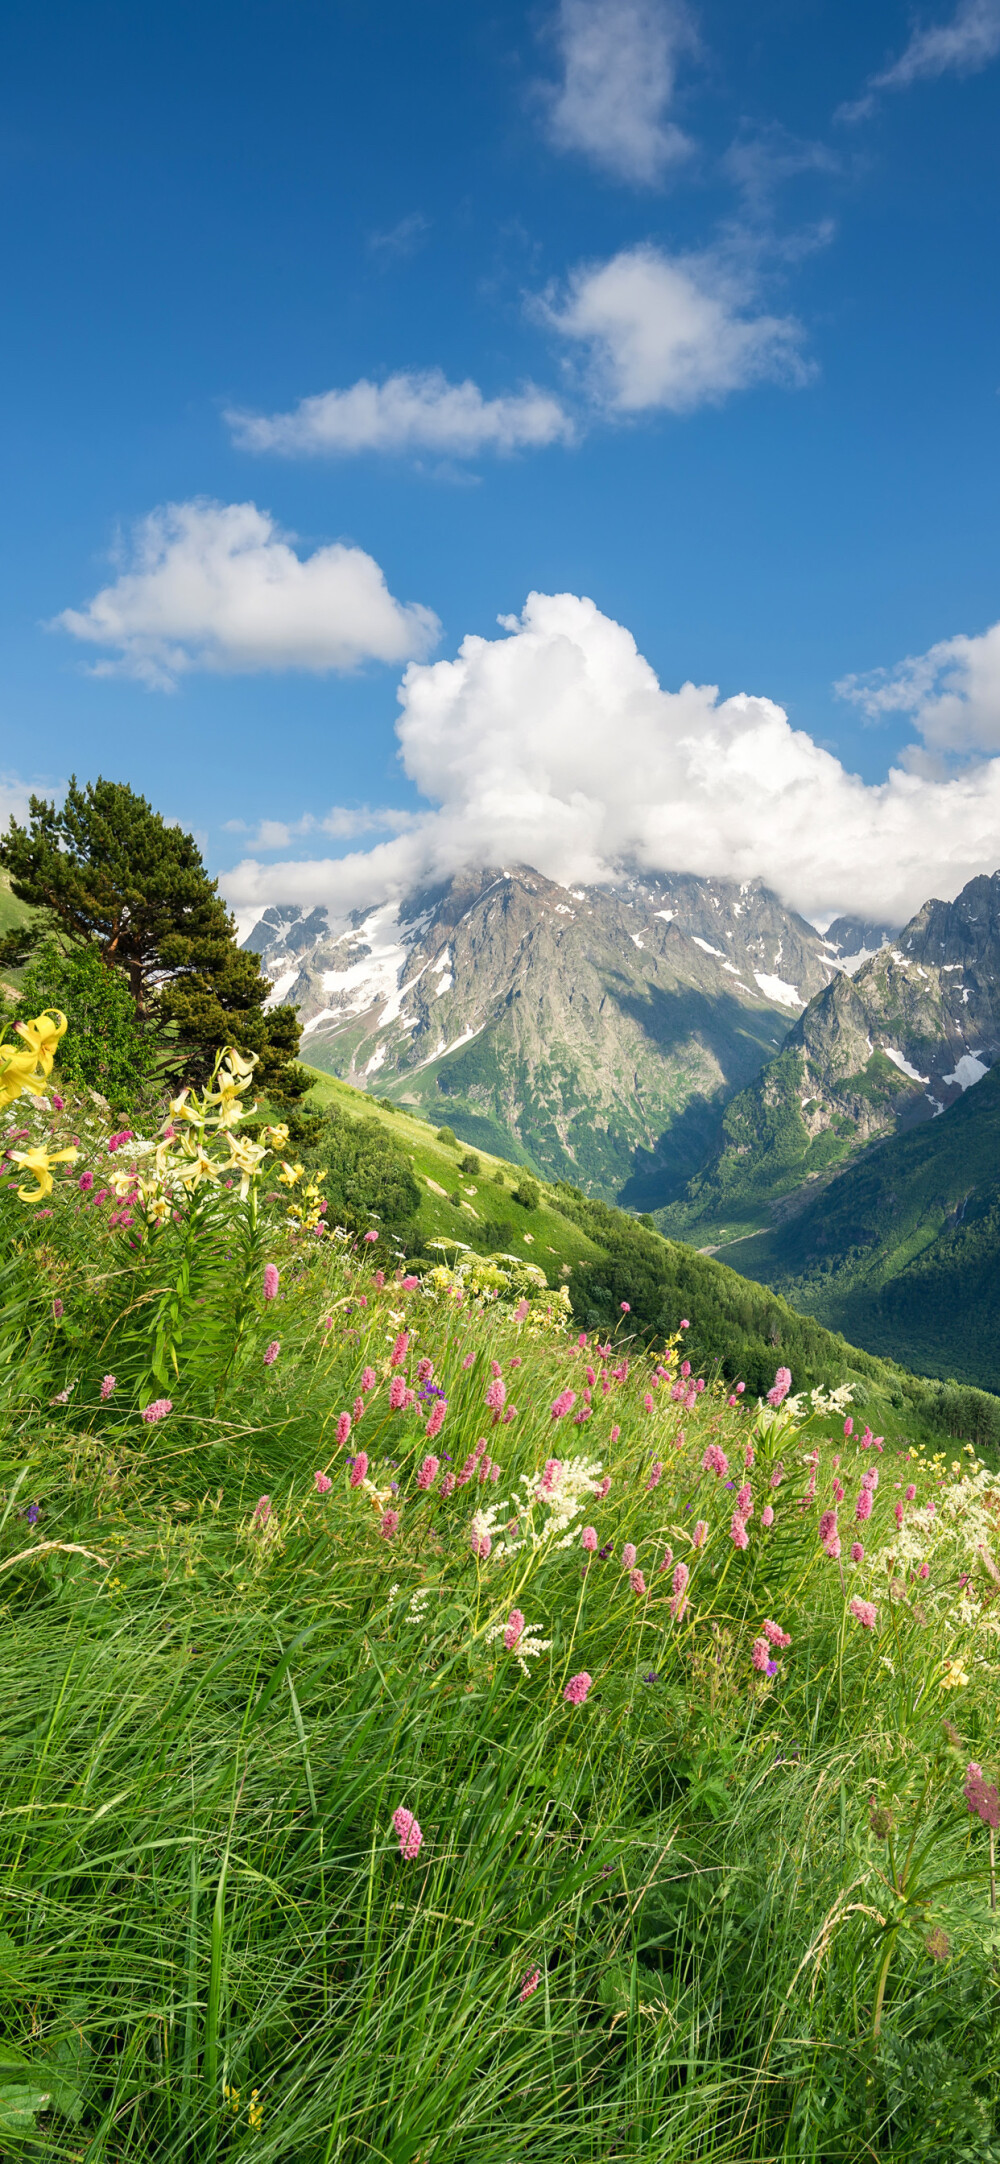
x=33, y=1513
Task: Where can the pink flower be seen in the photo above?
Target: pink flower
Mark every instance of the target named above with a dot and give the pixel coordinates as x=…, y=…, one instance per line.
x=550, y=1477
x=343, y=1429
x=379, y=1279
x=589, y=1538
x=780, y=1388
x=496, y=1394
x=85, y=1182
x=744, y=1500
x=513, y=1630
x=715, y=1461
x=684, y=1323
x=699, y=1535
x=760, y=1655
x=577, y=1688
x=397, y=1393
x=428, y=1472
x=863, y=1506
x=615, y=1432
x=626, y=1310
x=981, y=1796
x=777, y=1476
x=368, y=1380
x=400, y=1350
x=648, y=1401
x=272, y=1352
x=357, y=1409
x=481, y=1543
x=685, y=1367
x=263, y=1510
x=848, y=1429
x=667, y=1558
x=323, y=1483
x=681, y=1578
x=857, y=1551
x=436, y=1421
x=637, y=1581
x=767, y=1515
x=602, y=1491
x=370, y=1235
x=737, y=1531
x=748, y=1458
x=865, y=1611
x=158, y=1410
x=628, y=1556
x=529, y=1983
x=359, y=1469
x=564, y=1403
x=827, y=1525
x=655, y=1476
x=447, y=1484
x=389, y=1524
x=774, y=1632
x=408, y=1833
x=109, y=1386
x=520, y=1311
x=899, y=1512
x=271, y=1281
x=924, y=1571
x=469, y=1358
x=911, y=1493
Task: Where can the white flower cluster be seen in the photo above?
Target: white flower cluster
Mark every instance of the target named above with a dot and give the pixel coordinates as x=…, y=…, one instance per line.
x=525, y=1648
x=831, y=1401
x=562, y=1502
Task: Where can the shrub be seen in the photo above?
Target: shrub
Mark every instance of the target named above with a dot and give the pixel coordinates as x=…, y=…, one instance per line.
x=470, y=1162
x=527, y=1192
x=448, y=1135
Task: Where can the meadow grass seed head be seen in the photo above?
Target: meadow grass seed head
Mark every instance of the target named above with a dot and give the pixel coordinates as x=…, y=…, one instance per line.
x=529, y=1983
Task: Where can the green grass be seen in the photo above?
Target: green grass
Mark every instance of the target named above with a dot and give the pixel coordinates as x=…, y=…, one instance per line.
x=220, y=1684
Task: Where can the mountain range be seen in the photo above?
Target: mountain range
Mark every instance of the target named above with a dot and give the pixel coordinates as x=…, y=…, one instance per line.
x=594, y=1033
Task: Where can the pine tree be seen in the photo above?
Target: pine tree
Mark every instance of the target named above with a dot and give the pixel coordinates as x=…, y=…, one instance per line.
x=105, y=869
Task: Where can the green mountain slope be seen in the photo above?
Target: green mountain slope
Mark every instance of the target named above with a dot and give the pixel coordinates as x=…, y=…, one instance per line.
x=902, y=1250
x=609, y=1257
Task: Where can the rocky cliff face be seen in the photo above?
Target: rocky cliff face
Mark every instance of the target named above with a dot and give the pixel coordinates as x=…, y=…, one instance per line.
x=872, y=1055
x=595, y=1032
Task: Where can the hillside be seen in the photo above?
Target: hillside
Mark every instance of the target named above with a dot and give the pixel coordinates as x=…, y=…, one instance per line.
x=608, y=1257
x=876, y=1054
x=902, y=1250
x=593, y=1034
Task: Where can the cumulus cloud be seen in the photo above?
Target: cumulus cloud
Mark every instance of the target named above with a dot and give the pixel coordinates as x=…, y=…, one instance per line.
x=952, y=693
x=555, y=745
x=408, y=412
x=674, y=331
x=619, y=63
x=14, y=795
x=219, y=586
x=342, y=821
x=962, y=46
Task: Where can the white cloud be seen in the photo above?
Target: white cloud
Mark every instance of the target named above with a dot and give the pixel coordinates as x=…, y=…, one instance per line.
x=556, y=746
x=962, y=46
x=674, y=331
x=408, y=412
x=952, y=693
x=219, y=586
x=14, y=795
x=403, y=239
x=344, y=822
x=619, y=63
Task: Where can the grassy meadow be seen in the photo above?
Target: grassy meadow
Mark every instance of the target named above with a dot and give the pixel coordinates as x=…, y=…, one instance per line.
x=435, y=1733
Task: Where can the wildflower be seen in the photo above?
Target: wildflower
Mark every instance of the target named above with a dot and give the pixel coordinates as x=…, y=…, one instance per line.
x=529, y=1983
x=272, y=1352
x=469, y=1358
x=323, y=1483
x=368, y=1380
x=262, y=1510
x=655, y=1476
x=563, y=1404
x=737, y=1531
x=589, y=1539
x=924, y=1571
x=777, y=1476
x=359, y=1469
x=109, y=1386
x=481, y=1539
x=774, y=1633
x=767, y=1515
x=33, y=1513
x=848, y=1429
x=389, y=1524
x=496, y=1394
x=271, y=1281
x=615, y=1432
x=447, y=1484
x=681, y=1579
x=39, y=1162
x=748, y=1456
x=700, y=1533
x=370, y=1235
x=602, y=1491
x=744, y=1500
x=428, y=1472
x=158, y=1410
x=577, y=1688
x=357, y=1409
x=954, y=1676
x=715, y=1461
x=626, y=1310
x=400, y=1350
x=865, y=1611
x=550, y=1477
x=648, y=1401
x=982, y=1798
x=759, y=1655
x=408, y=1833
x=911, y=1493
x=85, y=1182
x=780, y=1388
x=857, y=1551
x=637, y=1581
x=827, y=1525
x=513, y=1629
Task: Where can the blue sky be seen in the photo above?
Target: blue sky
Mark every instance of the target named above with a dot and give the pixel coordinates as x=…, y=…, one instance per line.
x=723, y=283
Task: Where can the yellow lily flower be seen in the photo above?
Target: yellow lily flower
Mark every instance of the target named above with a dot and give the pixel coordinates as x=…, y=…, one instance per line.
x=245, y=1158
x=238, y=1065
x=289, y=1174
x=18, y=1071
x=195, y=1167
x=277, y=1137
x=39, y=1161
x=42, y=1036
